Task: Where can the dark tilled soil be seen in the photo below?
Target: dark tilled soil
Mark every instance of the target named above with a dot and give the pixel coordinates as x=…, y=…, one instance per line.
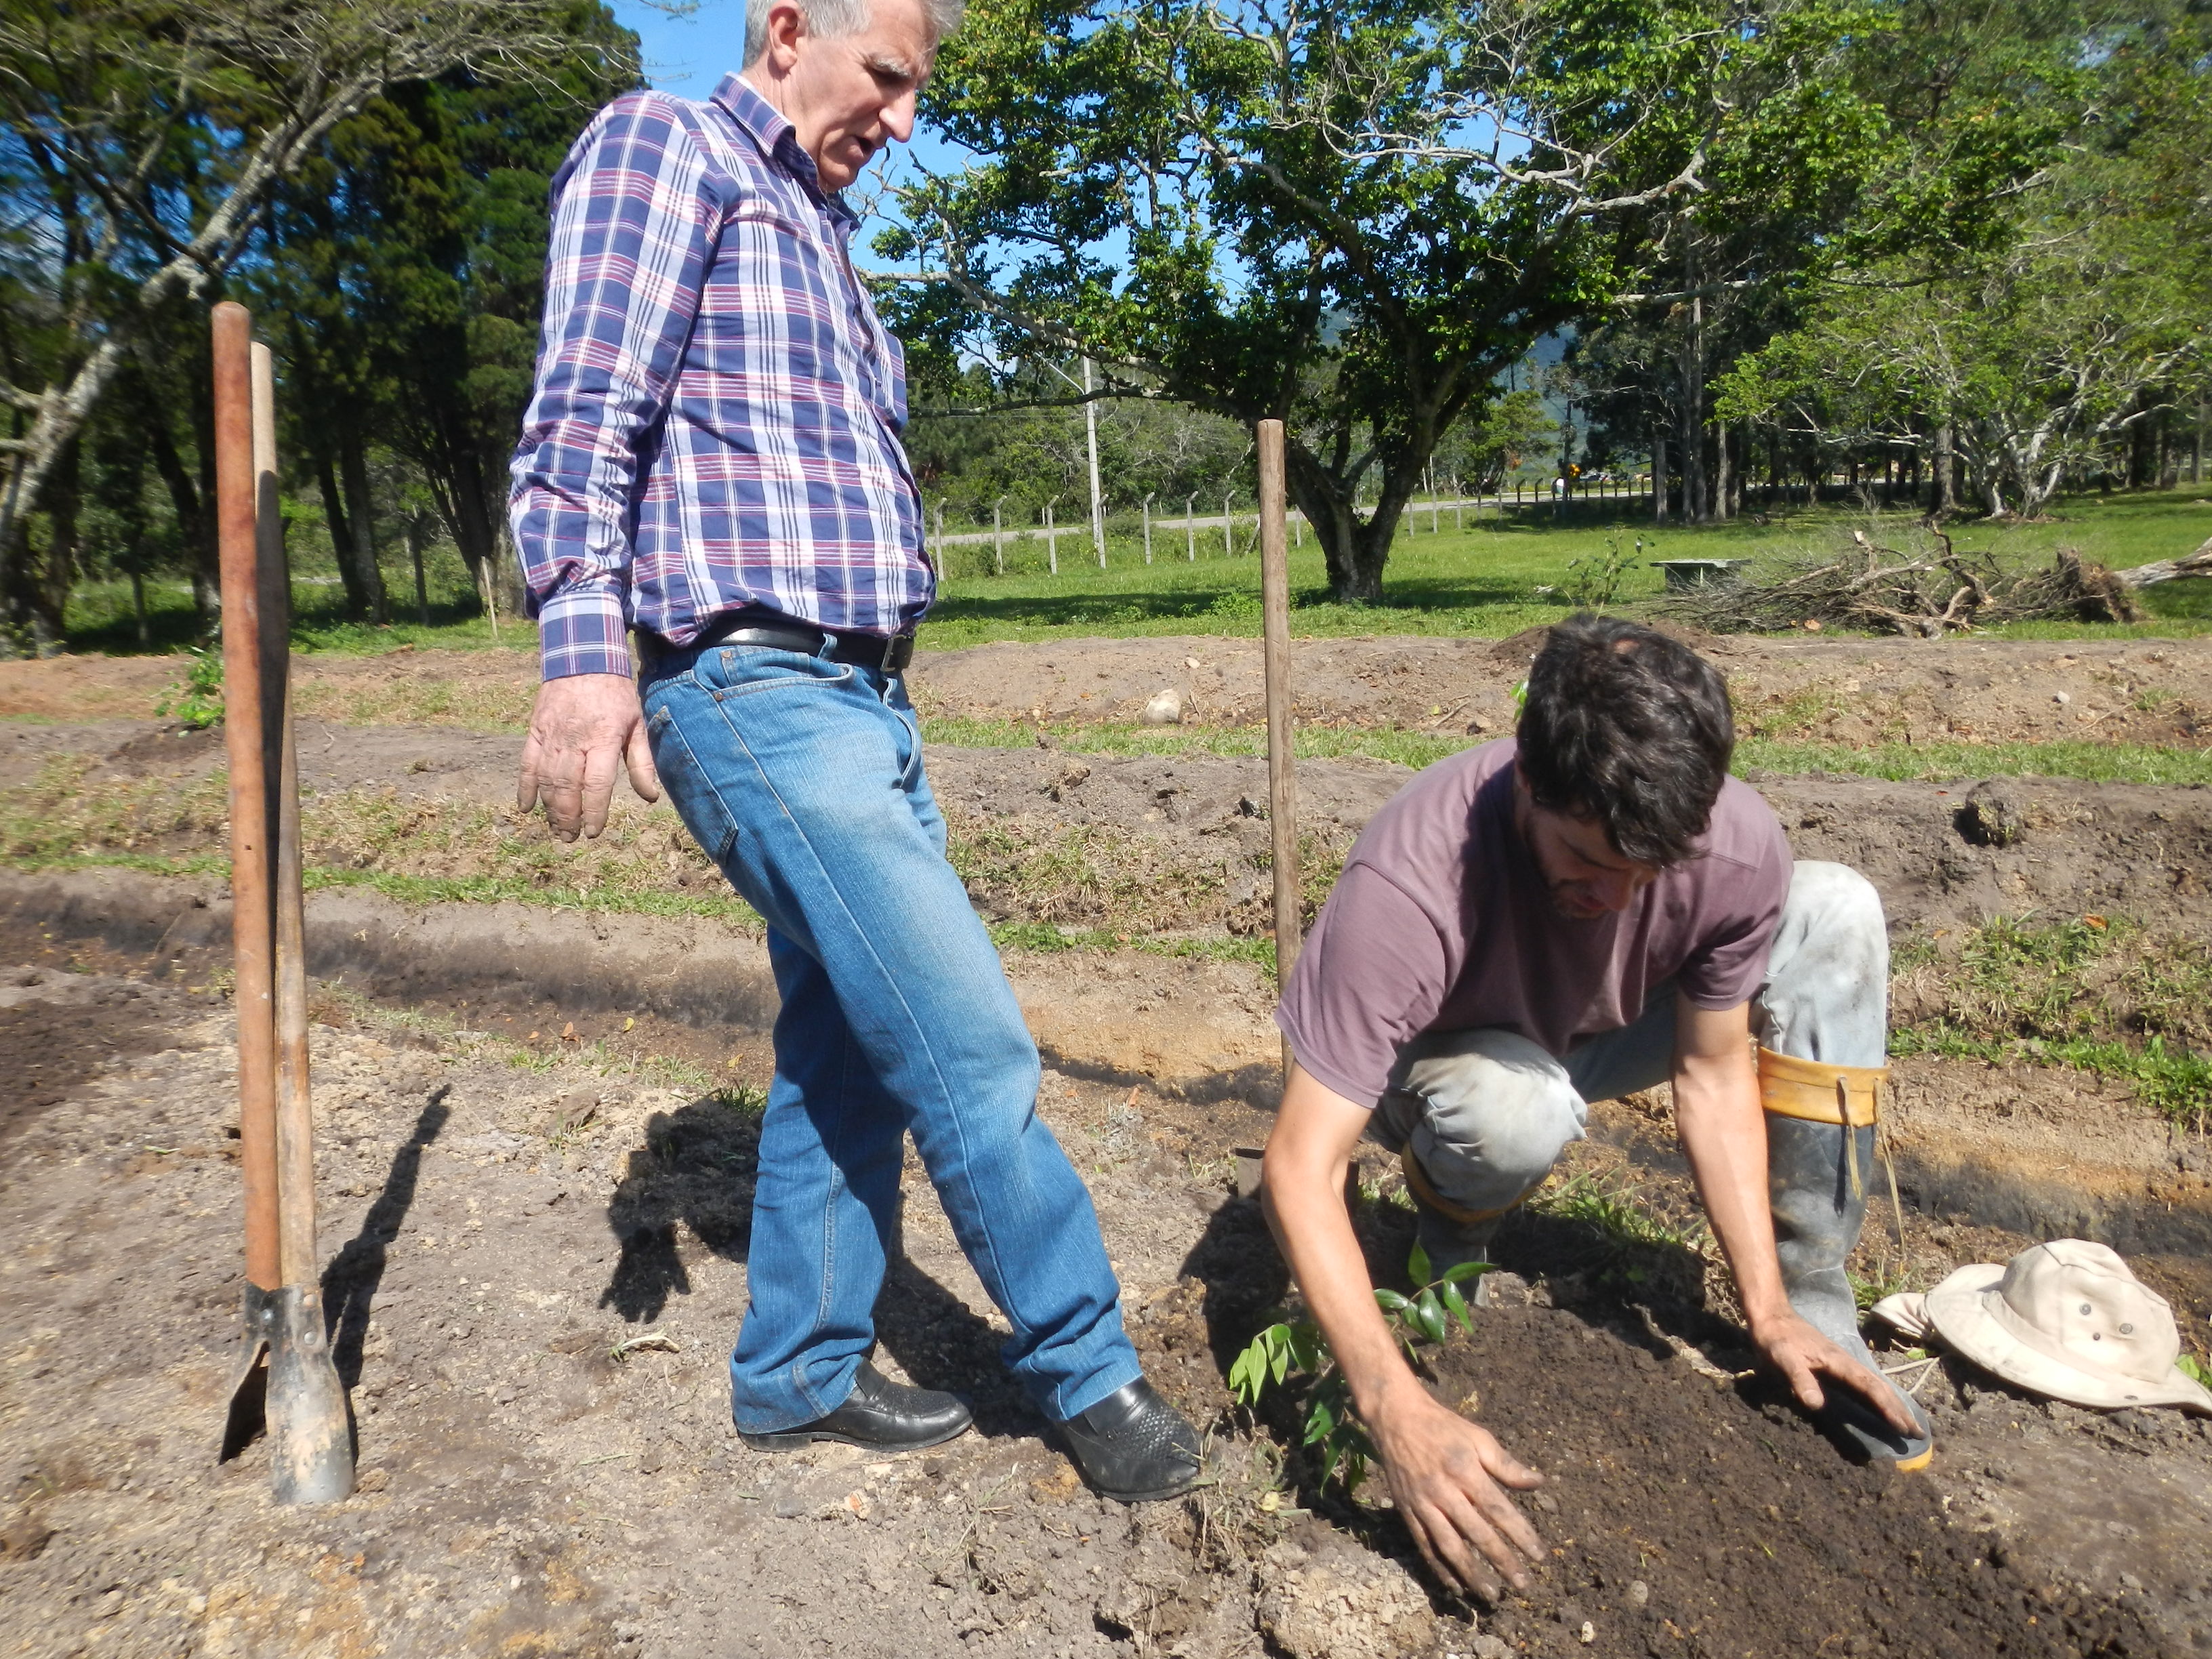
x=1686, y=1517
x=498, y=1214
x=57, y=1027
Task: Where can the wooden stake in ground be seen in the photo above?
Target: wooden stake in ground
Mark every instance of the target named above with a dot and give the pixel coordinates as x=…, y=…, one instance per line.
x=311, y=1438
x=252, y=833
x=1282, y=783
x=299, y=1396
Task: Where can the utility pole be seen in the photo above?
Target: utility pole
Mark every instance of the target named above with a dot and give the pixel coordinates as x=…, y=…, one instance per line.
x=1097, y=502
x=1190, y=525
x=998, y=536
x=1148, y=526
x=1051, y=536
x=1228, y=533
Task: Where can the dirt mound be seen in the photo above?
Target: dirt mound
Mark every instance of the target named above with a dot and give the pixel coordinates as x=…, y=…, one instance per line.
x=1688, y=1518
x=2148, y=692
x=1854, y=691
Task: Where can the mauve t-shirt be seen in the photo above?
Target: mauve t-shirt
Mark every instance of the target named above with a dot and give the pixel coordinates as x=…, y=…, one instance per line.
x=1441, y=921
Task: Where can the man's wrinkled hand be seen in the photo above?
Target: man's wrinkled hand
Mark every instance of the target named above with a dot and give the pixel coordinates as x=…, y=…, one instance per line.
x=1803, y=1357
x=1449, y=1479
x=582, y=729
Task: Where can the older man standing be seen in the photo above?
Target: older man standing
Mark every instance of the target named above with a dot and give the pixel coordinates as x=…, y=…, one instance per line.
x=713, y=457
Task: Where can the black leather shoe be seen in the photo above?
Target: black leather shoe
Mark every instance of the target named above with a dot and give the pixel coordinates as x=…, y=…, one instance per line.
x=1133, y=1446
x=880, y=1414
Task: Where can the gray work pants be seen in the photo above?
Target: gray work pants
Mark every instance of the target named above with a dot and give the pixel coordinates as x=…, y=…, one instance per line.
x=1486, y=1112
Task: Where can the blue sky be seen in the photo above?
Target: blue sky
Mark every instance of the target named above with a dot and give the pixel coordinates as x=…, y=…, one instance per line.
x=688, y=55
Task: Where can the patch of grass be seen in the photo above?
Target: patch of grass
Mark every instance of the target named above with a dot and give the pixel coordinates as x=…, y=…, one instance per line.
x=1607, y=1229
x=1901, y=763
x=1045, y=939
x=2175, y=1083
x=476, y=703
x=1487, y=578
x=2099, y=994
x=2117, y=763
x=1495, y=577
x=1614, y=1211
x=1051, y=886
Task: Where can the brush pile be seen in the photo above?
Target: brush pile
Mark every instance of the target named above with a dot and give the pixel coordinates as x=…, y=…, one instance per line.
x=1922, y=594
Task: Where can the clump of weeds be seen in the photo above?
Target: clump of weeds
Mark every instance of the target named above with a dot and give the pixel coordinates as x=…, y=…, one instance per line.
x=2103, y=995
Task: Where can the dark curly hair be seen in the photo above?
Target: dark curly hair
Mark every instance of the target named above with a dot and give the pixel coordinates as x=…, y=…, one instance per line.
x=1629, y=728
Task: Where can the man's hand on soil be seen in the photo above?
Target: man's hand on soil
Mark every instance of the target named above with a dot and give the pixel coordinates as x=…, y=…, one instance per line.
x=1803, y=1355
x=1449, y=1478
x=583, y=727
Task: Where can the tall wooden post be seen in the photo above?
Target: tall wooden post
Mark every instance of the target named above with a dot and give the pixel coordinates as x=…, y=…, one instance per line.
x=1282, y=781
x=251, y=748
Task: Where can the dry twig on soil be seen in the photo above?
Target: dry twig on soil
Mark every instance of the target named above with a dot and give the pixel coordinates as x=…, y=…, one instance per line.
x=1922, y=595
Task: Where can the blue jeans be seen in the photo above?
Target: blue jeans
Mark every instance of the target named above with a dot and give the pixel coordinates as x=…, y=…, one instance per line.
x=801, y=776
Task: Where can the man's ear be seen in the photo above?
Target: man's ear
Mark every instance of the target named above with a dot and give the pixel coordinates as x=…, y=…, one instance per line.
x=787, y=27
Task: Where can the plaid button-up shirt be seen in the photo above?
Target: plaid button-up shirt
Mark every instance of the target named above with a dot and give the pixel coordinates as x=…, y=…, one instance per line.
x=717, y=409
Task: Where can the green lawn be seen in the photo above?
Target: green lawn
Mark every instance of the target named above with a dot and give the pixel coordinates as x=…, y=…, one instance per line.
x=1483, y=580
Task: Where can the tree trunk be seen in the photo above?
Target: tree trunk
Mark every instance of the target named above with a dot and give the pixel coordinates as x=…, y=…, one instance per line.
x=415, y=539
x=1353, y=552
x=50, y=599
x=1944, y=502
x=352, y=473
x=341, y=529
x=1725, y=486
x=1658, y=476
x=507, y=576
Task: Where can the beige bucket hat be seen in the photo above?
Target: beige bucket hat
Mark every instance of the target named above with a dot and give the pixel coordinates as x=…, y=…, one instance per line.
x=2068, y=1320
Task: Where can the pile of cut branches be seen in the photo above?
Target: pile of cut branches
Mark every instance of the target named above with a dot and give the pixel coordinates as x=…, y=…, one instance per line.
x=1924, y=595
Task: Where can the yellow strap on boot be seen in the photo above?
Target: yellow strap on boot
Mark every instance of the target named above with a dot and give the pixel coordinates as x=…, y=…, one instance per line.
x=1819, y=1092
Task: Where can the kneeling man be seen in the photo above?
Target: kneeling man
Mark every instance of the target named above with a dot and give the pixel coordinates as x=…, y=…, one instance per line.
x=1591, y=907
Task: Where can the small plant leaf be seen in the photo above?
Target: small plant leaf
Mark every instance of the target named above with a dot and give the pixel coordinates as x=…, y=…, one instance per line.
x=1417, y=1264
x=1456, y=1305
x=1245, y=1373
x=1391, y=1301
x=1460, y=1273
x=1429, y=1314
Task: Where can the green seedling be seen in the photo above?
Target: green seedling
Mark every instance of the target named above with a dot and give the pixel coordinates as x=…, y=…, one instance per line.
x=1332, y=1427
x=195, y=700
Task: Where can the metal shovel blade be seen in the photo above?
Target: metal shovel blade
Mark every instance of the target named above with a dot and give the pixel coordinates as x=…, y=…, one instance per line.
x=310, y=1428
x=248, y=1383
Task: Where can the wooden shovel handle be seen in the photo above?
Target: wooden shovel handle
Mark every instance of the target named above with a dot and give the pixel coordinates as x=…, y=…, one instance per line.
x=251, y=822
x=295, y=1139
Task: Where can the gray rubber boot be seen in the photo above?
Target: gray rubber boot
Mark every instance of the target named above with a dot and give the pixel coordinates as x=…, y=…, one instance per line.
x=1450, y=1242
x=1817, y=1217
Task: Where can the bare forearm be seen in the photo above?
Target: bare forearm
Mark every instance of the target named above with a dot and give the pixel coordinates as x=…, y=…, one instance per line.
x=1717, y=1113
x=1303, y=1192
x=1315, y=1234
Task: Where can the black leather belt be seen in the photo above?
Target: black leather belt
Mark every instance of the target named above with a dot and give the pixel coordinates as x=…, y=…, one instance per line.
x=890, y=656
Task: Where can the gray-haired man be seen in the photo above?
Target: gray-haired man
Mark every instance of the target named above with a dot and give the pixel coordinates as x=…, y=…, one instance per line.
x=713, y=456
